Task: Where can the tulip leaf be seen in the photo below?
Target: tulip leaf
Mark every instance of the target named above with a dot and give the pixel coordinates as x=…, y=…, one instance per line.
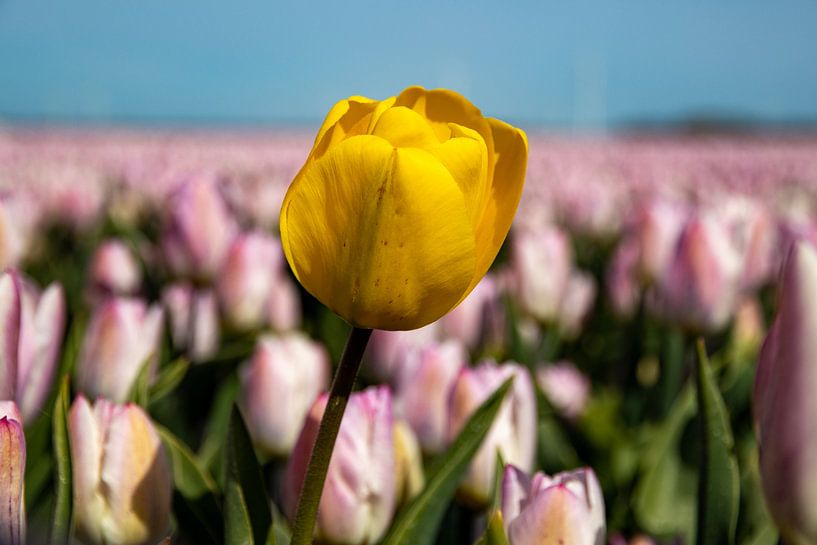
x=140, y=391
x=495, y=532
x=419, y=520
x=195, y=497
x=61, y=521
x=664, y=497
x=218, y=420
x=247, y=517
x=169, y=378
x=719, y=483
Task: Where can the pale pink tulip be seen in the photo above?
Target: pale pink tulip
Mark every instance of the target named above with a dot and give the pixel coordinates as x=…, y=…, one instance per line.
x=115, y=270
x=542, y=510
x=122, y=337
x=358, y=498
x=278, y=386
x=121, y=476
x=479, y=320
x=576, y=304
x=513, y=433
x=13, y=454
x=540, y=268
x=785, y=407
x=565, y=387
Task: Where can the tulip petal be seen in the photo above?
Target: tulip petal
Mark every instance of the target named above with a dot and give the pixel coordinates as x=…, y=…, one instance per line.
x=13, y=454
x=86, y=460
x=10, y=312
x=351, y=117
x=466, y=158
x=555, y=516
x=382, y=235
x=511, y=151
x=405, y=128
x=443, y=107
x=134, y=463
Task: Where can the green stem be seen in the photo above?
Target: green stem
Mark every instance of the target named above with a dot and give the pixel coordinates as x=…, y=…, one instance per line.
x=310, y=498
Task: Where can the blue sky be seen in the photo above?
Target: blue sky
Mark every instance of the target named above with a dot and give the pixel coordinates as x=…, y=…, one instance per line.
x=580, y=65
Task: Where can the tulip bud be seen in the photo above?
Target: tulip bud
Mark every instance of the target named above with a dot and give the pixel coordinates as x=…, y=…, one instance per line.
x=565, y=508
x=194, y=320
x=540, y=269
x=358, y=498
x=114, y=269
x=565, y=387
x=121, y=476
x=700, y=288
x=13, y=454
x=283, y=305
x=753, y=232
x=199, y=230
x=402, y=206
x=33, y=325
x=576, y=304
x=480, y=319
x=387, y=350
x=408, y=463
x=659, y=223
x=623, y=287
x=748, y=328
x=245, y=282
x=785, y=405
x=122, y=337
x=10, y=318
x=41, y=329
x=423, y=390
x=278, y=385
x=513, y=432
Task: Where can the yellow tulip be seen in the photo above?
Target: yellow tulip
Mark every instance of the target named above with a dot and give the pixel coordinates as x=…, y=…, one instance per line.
x=402, y=206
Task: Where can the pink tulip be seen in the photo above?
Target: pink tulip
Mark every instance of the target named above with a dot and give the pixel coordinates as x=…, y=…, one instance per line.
x=700, y=288
x=199, y=231
x=33, y=324
x=540, y=269
x=542, y=510
x=245, y=283
x=42, y=324
x=659, y=223
x=387, y=350
x=513, y=433
x=622, y=279
x=565, y=386
x=576, y=304
x=785, y=407
x=408, y=463
x=13, y=454
x=122, y=337
x=278, y=386
x=479, y=319
x=283, y=307
x=115, y=270
x=358, y=498
x=194, y=320
x=121, y=476
x=423, y=389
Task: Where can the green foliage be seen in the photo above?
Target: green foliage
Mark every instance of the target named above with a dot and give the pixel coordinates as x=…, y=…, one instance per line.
x=61, y=522
x=419, y=520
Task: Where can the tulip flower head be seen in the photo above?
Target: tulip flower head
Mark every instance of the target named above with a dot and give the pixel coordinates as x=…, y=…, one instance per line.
x=278, y=386
x=785, y=407
x=121, y=475
x=358, y=498
x=542, y=510
x=115, y=270
x=513, y=432
x=402, y=206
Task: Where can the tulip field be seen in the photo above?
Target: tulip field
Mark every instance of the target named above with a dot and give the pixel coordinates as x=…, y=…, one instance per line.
x=636, y=367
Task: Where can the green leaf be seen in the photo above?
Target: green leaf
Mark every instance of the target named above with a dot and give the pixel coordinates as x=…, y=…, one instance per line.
x=61, y=521
x=140, y=391
x=169, y=378
x=215, y=433
x=195, y=505
x=418, y=522
x=664, y=498
x=279, y=531
x=246, y=505
x=719, y=483
x=39, y=466
x=495, y=532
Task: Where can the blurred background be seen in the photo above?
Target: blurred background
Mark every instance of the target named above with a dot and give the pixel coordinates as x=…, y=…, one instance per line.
x=578, y=66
